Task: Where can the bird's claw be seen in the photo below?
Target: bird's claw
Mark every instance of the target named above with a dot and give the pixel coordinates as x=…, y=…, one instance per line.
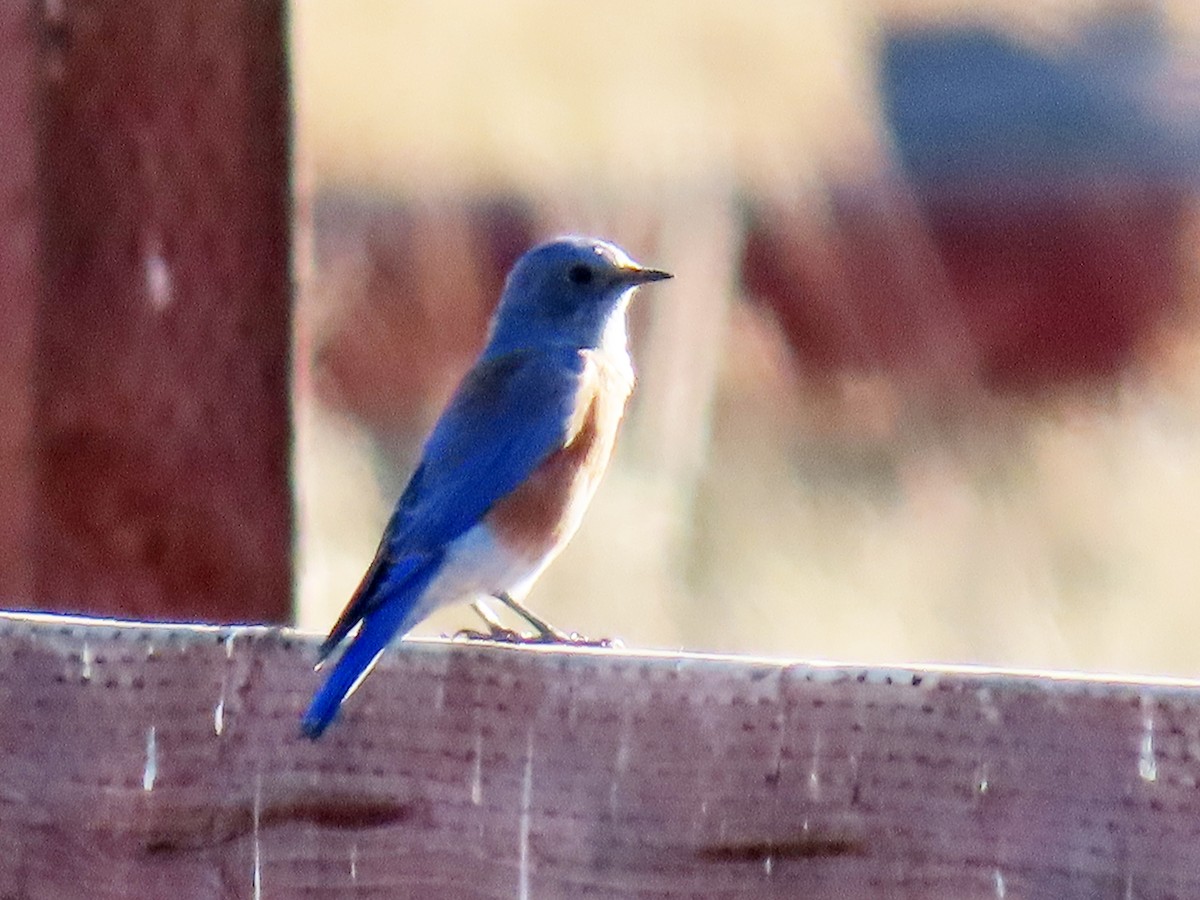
x=511, y=636
x=496, y=635
x=575, y=639
x=543, y=632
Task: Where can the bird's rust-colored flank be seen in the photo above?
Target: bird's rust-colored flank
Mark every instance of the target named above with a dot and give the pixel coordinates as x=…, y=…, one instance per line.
x=540, y=515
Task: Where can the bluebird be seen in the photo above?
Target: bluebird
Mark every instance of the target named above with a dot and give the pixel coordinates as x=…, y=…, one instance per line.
x=512, y=463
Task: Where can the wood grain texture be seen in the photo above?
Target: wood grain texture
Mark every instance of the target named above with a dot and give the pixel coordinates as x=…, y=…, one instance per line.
x=160, y=379
x=19, y=290
x=165, y=761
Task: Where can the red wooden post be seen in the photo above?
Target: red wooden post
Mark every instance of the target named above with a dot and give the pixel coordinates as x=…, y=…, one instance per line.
x=153, y=344
x=18, y=292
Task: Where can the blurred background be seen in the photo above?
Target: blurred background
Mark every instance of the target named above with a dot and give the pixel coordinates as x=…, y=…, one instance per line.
x=926, y=386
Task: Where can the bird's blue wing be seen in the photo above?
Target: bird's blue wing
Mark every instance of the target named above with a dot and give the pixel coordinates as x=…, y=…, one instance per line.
x=507, y=416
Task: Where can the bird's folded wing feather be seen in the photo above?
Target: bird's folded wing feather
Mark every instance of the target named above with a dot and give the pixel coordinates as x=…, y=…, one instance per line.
x=507, y=416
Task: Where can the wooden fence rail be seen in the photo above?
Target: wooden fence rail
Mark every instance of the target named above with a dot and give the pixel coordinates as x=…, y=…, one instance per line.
x=155, y=761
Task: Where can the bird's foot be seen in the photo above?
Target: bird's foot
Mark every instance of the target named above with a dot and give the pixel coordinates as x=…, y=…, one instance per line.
x=575, y=639
x=496, y=630
x=512, y=636
x=572, y=639
x=543, y=633
x=496, y=635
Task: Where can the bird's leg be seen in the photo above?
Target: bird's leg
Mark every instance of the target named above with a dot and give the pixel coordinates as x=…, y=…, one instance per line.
x=496, y=631
x=490, y=619
x=544, y=632
x=547, y=633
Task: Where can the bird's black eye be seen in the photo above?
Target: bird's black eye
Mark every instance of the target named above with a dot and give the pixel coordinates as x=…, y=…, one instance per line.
x=580, y=274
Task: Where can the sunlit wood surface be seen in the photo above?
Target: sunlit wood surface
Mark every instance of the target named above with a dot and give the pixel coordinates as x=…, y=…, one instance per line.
x=146, y=760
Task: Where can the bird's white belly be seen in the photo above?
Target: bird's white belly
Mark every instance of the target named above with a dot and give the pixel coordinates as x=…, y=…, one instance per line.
x=476, y=564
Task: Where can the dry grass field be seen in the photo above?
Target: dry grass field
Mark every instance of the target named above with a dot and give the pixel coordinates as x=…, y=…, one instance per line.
x=900, y=508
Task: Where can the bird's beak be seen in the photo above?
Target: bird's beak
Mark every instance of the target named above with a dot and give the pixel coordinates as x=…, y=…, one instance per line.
x=642, y=275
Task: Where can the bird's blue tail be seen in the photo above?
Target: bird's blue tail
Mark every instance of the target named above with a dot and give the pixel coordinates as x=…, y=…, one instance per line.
x=394, y=616
x=350, y=668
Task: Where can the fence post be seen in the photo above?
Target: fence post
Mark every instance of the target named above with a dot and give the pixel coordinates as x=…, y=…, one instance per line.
x=148, y=298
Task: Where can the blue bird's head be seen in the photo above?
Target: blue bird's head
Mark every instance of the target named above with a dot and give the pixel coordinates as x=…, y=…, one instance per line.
x=566, y=292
